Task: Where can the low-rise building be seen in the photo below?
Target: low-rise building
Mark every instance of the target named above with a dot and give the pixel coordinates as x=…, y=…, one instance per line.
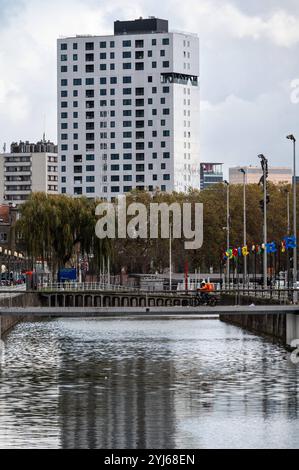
x=277, y=175
x=28, y=168
x=13, y=263
x=8, y=217
x=210, y=174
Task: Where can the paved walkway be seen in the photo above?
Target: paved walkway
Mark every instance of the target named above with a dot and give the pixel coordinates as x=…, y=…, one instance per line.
x=153, y=311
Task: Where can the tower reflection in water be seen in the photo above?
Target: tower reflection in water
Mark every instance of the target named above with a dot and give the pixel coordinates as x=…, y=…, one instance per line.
x=116, y=396
x=146, y=384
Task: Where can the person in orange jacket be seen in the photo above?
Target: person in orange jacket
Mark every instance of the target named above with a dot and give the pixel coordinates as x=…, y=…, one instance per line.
x=205, y=289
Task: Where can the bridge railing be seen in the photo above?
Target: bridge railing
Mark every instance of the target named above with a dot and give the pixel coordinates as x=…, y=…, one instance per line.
x=82, y=287
x=280, y=295
x=283, y=295
x=56, y=287
x=11, y=291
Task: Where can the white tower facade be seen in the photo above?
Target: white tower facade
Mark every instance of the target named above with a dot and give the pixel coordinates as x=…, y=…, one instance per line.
x=128, y=110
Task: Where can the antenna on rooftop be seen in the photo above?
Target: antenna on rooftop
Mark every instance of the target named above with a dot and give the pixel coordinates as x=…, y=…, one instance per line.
x=44, y=133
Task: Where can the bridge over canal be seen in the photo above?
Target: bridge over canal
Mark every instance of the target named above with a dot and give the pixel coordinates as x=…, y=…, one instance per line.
x=278, y=321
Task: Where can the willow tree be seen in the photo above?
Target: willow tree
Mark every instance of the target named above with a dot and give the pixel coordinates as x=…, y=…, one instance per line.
x=56, y=228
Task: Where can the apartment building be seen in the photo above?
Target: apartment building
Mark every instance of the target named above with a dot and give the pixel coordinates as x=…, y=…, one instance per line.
x=277, y=175
x=28, y=168
x=128, y=110
x=210, y=174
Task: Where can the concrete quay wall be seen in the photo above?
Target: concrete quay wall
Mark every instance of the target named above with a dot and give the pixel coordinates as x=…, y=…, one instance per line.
x=275, y=327
x=292, y=330
x=7, y=322
x=271, y=326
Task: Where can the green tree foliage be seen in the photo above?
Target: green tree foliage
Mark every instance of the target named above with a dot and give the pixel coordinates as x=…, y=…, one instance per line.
x=53, y=228
x=153, y=255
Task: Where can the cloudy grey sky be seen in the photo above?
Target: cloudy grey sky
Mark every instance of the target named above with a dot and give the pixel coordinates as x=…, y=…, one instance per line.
x=249, y=62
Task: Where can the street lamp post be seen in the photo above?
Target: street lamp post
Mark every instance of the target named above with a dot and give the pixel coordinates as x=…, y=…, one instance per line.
x=170, y=257
x=288, y=213
x=292, y=138
x=264, y=163
x=244, y=224
x=288, y=233
x=227, y=232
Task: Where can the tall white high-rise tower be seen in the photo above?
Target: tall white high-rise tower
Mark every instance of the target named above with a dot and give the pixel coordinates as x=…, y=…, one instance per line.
x=128, y=110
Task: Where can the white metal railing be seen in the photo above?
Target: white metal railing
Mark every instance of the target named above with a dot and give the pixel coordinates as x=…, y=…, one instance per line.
x=17, y=287
x=11, y=291
x=83, y=287
x=99, y=287
x=276, y=293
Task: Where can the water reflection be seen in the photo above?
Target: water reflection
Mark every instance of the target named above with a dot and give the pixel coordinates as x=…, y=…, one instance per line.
x=146, y=384
x=122, y=397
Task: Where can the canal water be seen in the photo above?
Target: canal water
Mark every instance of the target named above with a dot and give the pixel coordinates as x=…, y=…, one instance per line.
x=145, y=384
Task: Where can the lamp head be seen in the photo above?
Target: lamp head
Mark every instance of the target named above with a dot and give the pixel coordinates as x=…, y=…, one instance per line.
x=242, y=171
x=226, y=182
x=291, y=137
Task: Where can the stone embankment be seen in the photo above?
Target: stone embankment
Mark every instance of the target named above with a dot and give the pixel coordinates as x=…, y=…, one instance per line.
x=20, y=300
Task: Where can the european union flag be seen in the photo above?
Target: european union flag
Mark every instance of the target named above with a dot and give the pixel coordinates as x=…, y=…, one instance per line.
x=291, y=243
x=271, y=247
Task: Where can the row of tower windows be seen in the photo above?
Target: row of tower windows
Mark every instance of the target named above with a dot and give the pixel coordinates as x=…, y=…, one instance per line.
x=126, y=145
x=139, y=169
x=78, y=191
x=139, y=55
x=112, y=135
x=104, y=92
x=103, y=146
x=126, y=66
x=90, y=46
x=116, y=156
x=103, y=81
x=104, y=124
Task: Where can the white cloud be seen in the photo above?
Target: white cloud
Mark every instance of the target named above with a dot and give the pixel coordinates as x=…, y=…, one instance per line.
x=224, y=19
x=283, y=29
x=28, y=58
x=241, y=129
